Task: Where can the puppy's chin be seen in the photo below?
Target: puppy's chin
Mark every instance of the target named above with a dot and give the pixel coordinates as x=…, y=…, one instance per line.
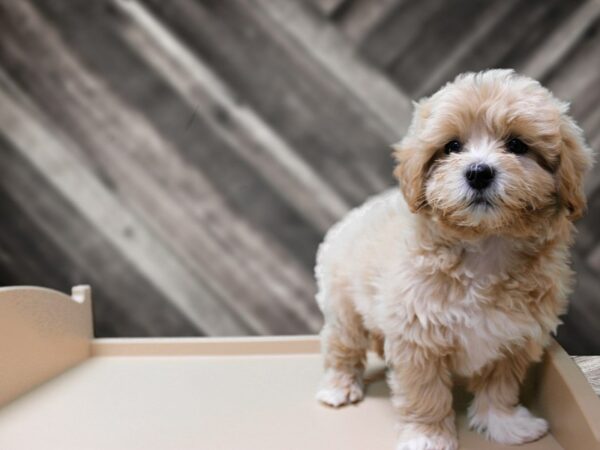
x=481, y=215
x=473, y=215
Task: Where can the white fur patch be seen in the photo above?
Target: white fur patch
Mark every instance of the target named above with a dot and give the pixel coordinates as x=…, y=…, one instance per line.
x=428, y=443
x=413, y=436
x=339, y=389
x=514, y=428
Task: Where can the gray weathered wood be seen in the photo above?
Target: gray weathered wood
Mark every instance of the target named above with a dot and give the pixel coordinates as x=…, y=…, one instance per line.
x=447, y=68
x=362, y=16
x=375, y=92
x=235, y=38
x=244, y=130
x=50, y=157
x=590, y=366
x=397, y=31
x=192, y=153
x=329, y=7
x=53, y=245
x=140, y=167
x=562, y=40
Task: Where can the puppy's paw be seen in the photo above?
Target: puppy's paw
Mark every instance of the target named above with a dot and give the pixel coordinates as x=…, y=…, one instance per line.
x=427, y=437
x=423, y=442
x=517, y=427
x=339, y=389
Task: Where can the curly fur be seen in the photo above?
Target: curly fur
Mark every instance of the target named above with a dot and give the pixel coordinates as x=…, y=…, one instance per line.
x=453, y=287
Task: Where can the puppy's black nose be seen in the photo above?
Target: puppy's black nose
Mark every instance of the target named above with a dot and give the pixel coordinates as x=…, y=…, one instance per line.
x=479, y=176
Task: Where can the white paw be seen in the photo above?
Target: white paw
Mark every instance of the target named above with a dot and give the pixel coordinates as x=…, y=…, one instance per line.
x=517, y=427
x=428, y=443
x=340, y=389
x=414, y=436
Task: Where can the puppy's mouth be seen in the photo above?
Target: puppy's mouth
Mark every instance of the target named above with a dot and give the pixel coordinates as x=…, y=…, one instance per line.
x=481, y=201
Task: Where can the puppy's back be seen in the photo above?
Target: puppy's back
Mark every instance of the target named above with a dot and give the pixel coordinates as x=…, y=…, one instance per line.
x=360, y=242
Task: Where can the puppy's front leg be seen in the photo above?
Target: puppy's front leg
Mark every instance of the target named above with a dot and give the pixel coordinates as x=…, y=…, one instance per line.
x=421, y=393
x=495, y=411
x=345, y=349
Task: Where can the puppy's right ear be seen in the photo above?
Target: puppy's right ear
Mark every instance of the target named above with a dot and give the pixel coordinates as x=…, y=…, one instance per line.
x=411, y=163
x=575, y=161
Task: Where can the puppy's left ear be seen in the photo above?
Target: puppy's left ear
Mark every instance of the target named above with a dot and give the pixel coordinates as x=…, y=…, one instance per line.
x=575, y=160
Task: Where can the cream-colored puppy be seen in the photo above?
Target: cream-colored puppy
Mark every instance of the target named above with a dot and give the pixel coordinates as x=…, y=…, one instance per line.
x=466, y=269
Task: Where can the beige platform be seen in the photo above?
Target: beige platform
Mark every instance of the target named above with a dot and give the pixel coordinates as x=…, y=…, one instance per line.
x=229, y=394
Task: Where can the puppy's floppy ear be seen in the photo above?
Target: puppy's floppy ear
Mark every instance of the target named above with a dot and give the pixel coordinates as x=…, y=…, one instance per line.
x=411, y=160
x=575, y=160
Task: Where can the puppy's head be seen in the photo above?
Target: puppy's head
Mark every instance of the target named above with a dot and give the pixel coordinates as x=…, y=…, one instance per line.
x=493, y=152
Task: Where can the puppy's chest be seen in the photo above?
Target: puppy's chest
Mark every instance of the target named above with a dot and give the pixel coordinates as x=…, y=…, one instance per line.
x=489, y=260
x=483, y=335
x=488, y=327
x=480, y=314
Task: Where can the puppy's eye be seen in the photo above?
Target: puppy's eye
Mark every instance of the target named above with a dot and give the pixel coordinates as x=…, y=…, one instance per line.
x=516, y=146
x=452, y=147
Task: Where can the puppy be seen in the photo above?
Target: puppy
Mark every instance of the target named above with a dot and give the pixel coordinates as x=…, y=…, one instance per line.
x=464, y=270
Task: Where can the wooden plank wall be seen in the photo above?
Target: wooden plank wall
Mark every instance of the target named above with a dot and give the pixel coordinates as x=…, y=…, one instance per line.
x=186, y=157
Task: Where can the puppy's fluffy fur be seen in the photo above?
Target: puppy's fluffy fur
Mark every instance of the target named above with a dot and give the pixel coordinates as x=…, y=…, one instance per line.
x=445, y=279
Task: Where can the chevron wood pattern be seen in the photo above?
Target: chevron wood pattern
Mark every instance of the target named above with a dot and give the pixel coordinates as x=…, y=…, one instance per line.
x=186, y=157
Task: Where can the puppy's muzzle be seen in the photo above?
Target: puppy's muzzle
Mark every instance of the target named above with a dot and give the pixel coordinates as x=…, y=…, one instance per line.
x=479, y=176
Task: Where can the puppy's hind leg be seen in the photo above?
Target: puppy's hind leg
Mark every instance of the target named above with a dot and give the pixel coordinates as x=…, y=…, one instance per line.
x=344, y=342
